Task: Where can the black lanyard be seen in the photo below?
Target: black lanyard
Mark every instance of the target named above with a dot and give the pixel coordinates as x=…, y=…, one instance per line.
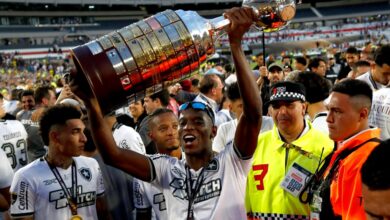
x=72, y=198
x=193, y=190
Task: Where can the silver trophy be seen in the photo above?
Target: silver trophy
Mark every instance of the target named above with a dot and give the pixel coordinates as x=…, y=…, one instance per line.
x=145, y=57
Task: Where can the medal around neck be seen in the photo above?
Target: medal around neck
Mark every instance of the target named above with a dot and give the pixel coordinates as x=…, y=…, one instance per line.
x=76, y=217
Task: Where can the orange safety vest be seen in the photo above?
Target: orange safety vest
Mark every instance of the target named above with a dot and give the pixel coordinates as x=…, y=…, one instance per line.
x=346, y=186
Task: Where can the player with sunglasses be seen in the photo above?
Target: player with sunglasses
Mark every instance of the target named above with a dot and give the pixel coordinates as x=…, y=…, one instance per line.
x=204, y=185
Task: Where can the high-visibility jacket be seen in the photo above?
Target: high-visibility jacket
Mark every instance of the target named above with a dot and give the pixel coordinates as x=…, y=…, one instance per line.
x=346, y=186
x=271, y=162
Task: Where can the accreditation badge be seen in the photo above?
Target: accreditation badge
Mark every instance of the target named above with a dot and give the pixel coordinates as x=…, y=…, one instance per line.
x=295, y=179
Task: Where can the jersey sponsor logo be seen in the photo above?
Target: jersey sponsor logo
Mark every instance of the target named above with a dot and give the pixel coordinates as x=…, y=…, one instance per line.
x=49, y=182
x=23, y=195
x=207, y=191
x=159, y=200
x=12, y=135
x=83, y=199
x=28, y=122
x=86, y=173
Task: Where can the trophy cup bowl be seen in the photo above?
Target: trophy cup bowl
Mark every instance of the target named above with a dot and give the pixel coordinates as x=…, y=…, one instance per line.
x=143, y=58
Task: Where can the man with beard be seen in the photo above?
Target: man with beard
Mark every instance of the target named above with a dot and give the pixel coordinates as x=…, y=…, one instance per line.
x=275, y=74
x=203, y=185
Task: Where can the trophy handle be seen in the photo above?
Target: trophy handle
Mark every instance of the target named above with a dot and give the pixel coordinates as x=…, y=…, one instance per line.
x=219, y=23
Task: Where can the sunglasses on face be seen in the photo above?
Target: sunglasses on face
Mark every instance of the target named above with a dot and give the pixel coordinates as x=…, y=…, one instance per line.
x=198, y=106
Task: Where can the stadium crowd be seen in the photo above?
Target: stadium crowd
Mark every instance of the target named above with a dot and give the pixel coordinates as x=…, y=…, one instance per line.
x=288, y=137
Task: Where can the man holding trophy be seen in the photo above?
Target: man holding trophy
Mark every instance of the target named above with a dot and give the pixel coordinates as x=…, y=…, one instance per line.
x=204, y=185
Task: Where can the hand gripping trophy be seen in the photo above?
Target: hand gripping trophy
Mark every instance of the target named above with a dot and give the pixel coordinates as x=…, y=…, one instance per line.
x=151, y=54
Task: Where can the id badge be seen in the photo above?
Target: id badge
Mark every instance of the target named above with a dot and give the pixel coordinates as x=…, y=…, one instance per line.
x=295, y=179
x=316, y=203
x=314, y=216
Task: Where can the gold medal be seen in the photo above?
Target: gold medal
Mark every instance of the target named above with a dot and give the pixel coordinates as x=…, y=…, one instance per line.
x=76, y=217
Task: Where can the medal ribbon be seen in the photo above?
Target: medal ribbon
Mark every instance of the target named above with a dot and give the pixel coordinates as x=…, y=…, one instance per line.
x=193, y=190
x=70, y=196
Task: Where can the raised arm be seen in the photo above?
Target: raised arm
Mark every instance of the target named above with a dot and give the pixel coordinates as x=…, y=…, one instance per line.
x=249, y=125
x=129, y=161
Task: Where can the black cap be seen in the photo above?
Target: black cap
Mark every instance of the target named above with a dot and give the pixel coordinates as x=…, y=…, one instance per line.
x=287, y=91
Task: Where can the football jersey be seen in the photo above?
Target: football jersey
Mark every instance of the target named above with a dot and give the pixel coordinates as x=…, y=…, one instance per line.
x=127, y=138
x=147, y=196
x=25, y=117
x=219, y=196
x=13, y=141
x=36, y=191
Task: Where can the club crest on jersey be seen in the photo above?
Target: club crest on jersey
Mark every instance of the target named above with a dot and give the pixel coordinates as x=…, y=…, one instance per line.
x=86, y=173
x=213, y=165
x=123, y=144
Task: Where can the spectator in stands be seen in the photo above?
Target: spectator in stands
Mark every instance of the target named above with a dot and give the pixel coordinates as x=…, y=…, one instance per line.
x=300, y=64
x=351, y=57
x=375, y=174
x=379, y=76
x=317, y=65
